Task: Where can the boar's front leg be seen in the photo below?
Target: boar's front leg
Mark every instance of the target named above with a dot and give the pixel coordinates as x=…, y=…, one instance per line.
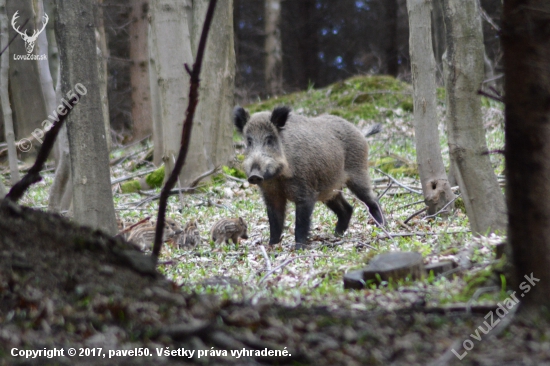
x=343, y=210
x=304, y=209
x=276, y=207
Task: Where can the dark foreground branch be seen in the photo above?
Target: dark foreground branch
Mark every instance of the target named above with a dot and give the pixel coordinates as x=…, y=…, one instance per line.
x=187, y=127
x=33, y=175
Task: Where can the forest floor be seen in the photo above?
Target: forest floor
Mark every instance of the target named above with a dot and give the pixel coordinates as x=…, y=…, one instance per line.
x=64, y=286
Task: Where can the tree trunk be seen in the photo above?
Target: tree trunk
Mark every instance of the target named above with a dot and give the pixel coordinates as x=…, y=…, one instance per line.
x=273, y=50
x=175, y=30
x=3, y=191
x=526, y=45
x=5, y=98
x=102, y=55
x=53, y=54
x=28, y=102
x=463, y=69
x=435, y=186
x=156, y=115
x=392, y=47
x=139, y=72
x=216, y=100
x=61, y=191
x=438, y=36
x=171, y=46
x=92, y=196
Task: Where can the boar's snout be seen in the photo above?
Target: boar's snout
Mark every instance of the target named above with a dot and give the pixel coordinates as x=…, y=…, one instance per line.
x=255, y=177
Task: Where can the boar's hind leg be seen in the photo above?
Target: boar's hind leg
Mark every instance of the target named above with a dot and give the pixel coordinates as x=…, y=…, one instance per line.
x=304, y=209
x=276, y=214
x=361, y=188
x=343, y=210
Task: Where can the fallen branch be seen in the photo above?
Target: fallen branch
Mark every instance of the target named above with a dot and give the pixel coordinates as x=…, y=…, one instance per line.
x=397, y=182
x=443, y=209
x=387, y=189
x=186, y=133
x=410, y=204
x=414, y=214
x=266, y=257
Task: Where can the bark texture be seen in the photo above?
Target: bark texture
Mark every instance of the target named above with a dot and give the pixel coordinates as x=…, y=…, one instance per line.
x=139, y=70
x=171, y=48
x=464, y=71
x=102, y=55
x=526, y=44
x=273, y=49
x=175, y=31
x=435, y=186
x=92, y=196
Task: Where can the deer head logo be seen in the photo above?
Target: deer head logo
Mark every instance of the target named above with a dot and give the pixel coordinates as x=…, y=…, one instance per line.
x=29, y=40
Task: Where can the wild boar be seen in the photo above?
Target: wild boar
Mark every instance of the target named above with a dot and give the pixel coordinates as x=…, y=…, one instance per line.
x=143, y=236
x=226, y=229
x=305, y=160
x=190, y=237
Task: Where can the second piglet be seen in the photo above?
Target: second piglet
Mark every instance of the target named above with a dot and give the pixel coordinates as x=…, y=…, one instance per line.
x=305, y=160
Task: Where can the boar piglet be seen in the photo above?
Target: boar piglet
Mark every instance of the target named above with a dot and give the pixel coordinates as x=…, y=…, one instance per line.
x=305, y=160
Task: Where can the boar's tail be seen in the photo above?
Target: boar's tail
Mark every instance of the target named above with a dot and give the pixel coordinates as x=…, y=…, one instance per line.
x=373, y=130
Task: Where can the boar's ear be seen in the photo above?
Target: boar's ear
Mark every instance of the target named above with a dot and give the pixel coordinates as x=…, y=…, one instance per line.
x=279, y=116
x=240, y=117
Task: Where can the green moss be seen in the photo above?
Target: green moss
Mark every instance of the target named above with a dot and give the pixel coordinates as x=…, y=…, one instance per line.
x=156, y=178
x=459, y=203
x=396, y=167
x=355, y=99
x=130, y=186
x=441, y=94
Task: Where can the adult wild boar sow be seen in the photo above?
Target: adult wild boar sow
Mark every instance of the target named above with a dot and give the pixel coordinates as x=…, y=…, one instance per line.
x=305, y=160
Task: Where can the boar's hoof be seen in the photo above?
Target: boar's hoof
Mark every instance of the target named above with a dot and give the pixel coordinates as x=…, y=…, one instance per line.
x=299, y=246
x=255, y=179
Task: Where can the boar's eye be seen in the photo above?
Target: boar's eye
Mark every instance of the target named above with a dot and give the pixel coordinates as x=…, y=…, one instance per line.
x=269, y=140
x=249, y=141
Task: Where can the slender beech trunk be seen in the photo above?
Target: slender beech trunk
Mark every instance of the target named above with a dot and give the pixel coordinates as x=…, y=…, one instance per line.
x=464, y=70
x=435, y=186
x=5, y=99
x=102, y=55
x=273, y=49
x=526, y=45
x=92, y=196
x=28, y=102
x=139, y=70
x=175, y=31
x=171, y=47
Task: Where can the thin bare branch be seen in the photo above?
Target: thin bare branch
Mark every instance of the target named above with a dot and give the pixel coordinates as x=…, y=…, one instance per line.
x=187, y=128
x=33, y=175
